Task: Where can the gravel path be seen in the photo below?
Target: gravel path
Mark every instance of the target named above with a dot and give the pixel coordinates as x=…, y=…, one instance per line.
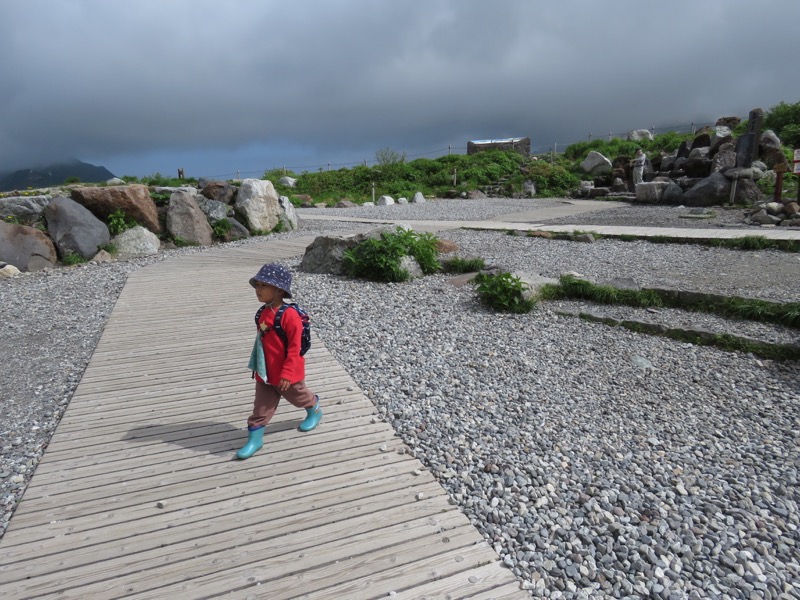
x=598, y=462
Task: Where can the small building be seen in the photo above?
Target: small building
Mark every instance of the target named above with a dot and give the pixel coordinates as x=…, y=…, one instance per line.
x=517, y=144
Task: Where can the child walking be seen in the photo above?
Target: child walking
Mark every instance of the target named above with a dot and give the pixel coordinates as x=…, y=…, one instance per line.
x=278, y=368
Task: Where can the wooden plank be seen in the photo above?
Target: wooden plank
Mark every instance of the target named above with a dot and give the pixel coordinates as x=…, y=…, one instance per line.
x=139, y=494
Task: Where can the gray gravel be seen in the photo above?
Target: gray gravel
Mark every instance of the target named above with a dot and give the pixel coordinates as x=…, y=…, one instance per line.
x=598, y=462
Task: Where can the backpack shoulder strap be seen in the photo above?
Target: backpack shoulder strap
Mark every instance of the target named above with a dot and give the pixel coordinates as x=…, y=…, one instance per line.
x=277, y=326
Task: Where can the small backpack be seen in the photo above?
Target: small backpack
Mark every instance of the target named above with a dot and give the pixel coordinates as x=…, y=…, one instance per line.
x=305, y=337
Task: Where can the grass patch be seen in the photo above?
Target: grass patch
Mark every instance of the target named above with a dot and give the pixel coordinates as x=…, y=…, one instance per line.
x=463, y=265
x=750, y=309
x=70, y=259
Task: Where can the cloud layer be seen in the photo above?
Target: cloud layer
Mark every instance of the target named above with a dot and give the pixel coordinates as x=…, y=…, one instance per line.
x=218, y=87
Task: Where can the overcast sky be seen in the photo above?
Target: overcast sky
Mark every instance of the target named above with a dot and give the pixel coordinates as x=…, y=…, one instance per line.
x=218, y=87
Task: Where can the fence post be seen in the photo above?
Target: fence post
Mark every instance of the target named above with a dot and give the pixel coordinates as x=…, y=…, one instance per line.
x=455, y=176
x=373, y=192
x=590, y=136
x=448, y=149
x=237, y=174
x=692, y=127
x=609, y=136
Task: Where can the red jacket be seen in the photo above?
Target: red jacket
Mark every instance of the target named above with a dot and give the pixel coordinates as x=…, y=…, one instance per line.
x=280, y=363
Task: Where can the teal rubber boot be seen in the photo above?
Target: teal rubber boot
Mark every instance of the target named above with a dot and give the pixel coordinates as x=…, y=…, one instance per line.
x=313, y=417
x=255, y=440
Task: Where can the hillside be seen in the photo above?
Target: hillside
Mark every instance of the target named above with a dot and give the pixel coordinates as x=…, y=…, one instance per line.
x=55, y=174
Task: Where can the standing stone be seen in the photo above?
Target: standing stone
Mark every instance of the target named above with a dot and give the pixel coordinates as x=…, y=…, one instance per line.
x=747, y=144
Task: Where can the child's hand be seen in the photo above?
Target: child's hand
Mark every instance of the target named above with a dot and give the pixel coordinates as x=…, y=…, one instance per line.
x=284, y=384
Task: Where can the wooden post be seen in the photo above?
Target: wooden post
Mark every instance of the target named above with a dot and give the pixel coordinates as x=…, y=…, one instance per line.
x=373, y=192
x=455, y=176
x=590, y=136
x=448, y=149
x=779, y=169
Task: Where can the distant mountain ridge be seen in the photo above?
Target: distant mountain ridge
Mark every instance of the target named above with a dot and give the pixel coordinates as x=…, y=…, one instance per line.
x=52, y=175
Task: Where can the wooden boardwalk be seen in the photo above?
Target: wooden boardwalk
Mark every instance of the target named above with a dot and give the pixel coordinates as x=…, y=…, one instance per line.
x=138, y=494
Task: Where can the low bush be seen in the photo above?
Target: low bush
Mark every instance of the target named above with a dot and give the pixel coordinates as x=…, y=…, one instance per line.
x=378, y=259
x=118, y=222
x=504, y=292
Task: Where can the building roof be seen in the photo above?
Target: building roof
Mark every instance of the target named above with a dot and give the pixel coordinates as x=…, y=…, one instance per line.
x=500, y=141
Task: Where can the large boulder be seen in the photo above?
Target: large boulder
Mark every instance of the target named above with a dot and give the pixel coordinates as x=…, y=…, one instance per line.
x=673, y=194
x=258, y=205
x=724, y=159
x=236, y=232
x=326, y=253
x=26, y=248
x=637, y=135
x=596, y=164
x=287, y=214
x=715, y=190
x=215, y=210
x=221, y=191
x=137, y=241
x=720, y=135
x=74, y=229
x=25, y=209
x=186, y=221
x=650, y=192
x=134, y=200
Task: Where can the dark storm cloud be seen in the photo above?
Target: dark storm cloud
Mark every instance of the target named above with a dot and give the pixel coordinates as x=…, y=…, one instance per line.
x=106, y=78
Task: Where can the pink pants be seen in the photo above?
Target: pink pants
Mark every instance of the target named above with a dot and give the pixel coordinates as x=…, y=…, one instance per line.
x=267, y=399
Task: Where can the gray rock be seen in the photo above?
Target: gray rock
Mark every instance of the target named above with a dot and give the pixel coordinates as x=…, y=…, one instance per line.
x=26, y=209
x=74, y=229
x=27, y=248
x=596, y=164
x=419, y=198
x=215, y=210
x=385, y=201
x=137, y=241
x=257, y=204
x=186, y=221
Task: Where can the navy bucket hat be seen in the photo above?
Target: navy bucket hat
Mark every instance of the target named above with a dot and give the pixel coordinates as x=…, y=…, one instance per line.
x=274, y=274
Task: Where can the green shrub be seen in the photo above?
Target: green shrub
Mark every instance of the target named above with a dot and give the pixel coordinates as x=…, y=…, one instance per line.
x=221, y=228
x=503, y=292
x=551, y=180
x=784, y=120
x=118, y=222
x=378, y=259
x=72, y=179
x=110, y=248
x=160, y=198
